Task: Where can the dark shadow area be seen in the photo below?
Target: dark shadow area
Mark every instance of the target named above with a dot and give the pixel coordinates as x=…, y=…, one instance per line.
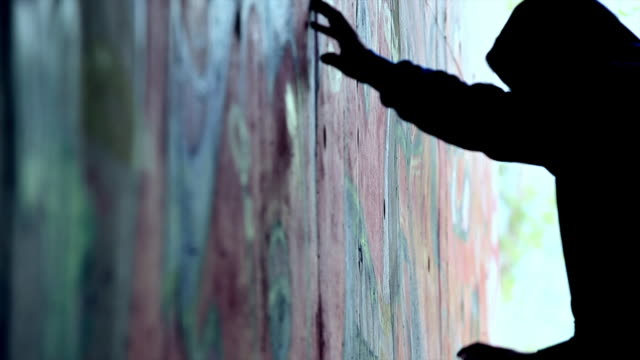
x=7, y=173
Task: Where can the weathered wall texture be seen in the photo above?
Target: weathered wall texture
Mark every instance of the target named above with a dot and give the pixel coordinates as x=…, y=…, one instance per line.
x=192, y=184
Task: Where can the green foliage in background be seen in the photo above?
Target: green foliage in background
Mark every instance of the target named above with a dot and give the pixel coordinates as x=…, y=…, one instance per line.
x=529, y=214
x=511, y=4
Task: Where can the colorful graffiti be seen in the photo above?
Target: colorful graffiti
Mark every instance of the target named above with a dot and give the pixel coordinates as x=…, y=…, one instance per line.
x=192, y=184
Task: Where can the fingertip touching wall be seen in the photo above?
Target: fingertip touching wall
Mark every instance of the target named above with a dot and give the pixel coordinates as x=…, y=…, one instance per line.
x=192, y=184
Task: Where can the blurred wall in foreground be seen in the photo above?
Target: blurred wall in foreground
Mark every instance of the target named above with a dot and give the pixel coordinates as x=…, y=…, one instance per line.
x=183, y=180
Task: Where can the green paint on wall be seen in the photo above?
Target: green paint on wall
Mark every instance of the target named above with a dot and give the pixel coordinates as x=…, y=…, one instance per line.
x=279, y=300
x=108, y=98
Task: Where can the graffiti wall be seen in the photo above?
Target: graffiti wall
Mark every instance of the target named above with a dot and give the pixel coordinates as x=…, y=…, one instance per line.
x=190, y=183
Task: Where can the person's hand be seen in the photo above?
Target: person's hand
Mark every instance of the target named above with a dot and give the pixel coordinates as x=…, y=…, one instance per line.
x=479, y=351
x=352, y=52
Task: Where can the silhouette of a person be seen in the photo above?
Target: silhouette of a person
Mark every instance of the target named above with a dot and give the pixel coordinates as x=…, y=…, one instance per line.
x=573, y=70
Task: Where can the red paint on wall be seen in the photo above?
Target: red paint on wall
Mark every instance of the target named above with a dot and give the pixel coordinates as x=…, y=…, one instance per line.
x=263, y=205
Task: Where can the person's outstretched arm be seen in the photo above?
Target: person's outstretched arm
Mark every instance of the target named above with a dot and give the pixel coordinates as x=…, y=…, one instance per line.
x=478, y=117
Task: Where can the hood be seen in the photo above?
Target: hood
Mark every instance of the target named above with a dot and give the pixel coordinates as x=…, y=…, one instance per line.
x=548, y=41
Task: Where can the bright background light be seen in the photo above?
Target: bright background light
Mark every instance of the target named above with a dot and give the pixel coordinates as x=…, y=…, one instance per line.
x=532, y=310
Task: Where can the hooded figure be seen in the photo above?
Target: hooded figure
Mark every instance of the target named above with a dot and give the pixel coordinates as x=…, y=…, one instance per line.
x=574, y=74
x=546, y=42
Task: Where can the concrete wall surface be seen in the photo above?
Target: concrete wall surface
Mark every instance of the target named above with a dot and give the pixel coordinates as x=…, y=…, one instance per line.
x=186, y=181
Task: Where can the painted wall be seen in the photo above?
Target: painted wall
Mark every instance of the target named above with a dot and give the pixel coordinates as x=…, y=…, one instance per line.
x=192, y=184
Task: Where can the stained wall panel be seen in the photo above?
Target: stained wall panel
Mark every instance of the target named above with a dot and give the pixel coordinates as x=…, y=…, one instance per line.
x=191, y=183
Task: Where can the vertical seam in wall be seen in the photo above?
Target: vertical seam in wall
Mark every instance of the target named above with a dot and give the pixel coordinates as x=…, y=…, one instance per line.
x=318, y=139
x=386, y=290
x=442, y=269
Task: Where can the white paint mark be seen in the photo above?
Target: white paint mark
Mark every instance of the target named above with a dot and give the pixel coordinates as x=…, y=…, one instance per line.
x=335, y=76
x=240, y=143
